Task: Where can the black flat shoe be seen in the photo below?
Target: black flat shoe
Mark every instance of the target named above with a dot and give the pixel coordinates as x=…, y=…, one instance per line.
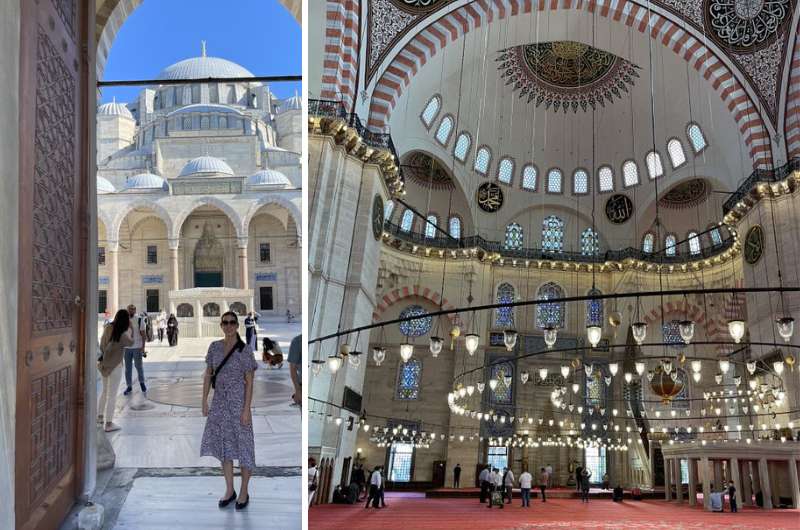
x=243, y=505
x=224, y=502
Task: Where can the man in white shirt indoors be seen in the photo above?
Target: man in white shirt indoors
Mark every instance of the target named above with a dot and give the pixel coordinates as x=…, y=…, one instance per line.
x=525, y=482
x=375, y=483
x=484, y=478
x=508, y=484
x=134, y=354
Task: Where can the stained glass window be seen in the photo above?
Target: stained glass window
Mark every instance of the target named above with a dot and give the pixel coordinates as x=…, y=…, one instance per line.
x=497, y=457
x=594, y=309
x=716, y=236
x=445, y=127
x=694, y=244
x=462, y=146
x=430, y=226
x=408, y=221
x=595, y=389
x=590, y=245
x=388, y=209
x=552, y=234
x=551, y=314
x=455, y=227
x=482, y=159
x=529, y=174
x=630, y=173
x=647, y=243
x=654, y=166
x=400, y=457
x=669, y=245
x=505, y=170
x=408, y=380
x=504, y=316
x=672, y=334
x=580, y=182
x=696, y=137
x=502, y=393
x=554, y=178
x=596, y=462
x=676, y=154
x=415, y=327
x=605, y=178
x=513, y=237
x=431, y=111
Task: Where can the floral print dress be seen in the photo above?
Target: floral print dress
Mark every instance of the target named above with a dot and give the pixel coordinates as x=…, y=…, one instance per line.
x=224, y=436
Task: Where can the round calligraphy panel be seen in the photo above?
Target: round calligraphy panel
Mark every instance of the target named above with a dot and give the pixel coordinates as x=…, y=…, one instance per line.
x=754, y=245
x=490, y=197
x=377, y=217
x=619, y=208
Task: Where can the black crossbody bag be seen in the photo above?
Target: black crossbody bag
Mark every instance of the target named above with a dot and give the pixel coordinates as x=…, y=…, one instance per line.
x=238, y=346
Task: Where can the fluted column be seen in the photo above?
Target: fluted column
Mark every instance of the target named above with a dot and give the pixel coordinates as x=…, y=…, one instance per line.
x=174, y=284
x=244, y=278
x=112, y=253
x=692, y=481
x=766, y=488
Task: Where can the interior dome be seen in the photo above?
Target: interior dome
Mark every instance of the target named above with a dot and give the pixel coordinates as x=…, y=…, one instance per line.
x=206, y=165
x=203, y=67
x=269, y=177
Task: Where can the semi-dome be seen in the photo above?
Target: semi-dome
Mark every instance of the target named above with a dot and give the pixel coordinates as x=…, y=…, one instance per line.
x=269, y=177
x=205, y=165
x=203, y=67
x=292, y=103
x=114, y=109
x=146, y=181
x=104, y=186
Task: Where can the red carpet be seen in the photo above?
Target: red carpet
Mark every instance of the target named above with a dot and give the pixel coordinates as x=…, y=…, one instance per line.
x=411, y=512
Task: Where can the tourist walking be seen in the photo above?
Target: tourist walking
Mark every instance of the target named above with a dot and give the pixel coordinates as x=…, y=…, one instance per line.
x=172, y=330
x=375, y=484
x=585, y=476
x=483, y=478
x=116, y=337
x=543, y=480
x=251, y=335
x=360, y=479
x=228, y=434
x=162, y=325
x=508, y=484
x=135, y=352
x=525, y=480
x=731, y=496
x=457, y=476
x=578, y=471
x=313, y=472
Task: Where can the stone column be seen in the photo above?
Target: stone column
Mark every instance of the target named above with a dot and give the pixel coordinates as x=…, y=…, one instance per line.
x=737, y=481
x=706, y=471
x=198, y=317
x=244, y=274
x=174, y=283
x=668, y=479
x=747, y=485
x=773, y=484
x=795, y=484
x=717, y=474
x=678, y=482
x=766, y=490
x=756, y=480
x=112, y=251
x=692, y=481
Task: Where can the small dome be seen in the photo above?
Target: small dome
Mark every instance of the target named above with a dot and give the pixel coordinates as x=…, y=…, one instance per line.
x=202, y=68
x=205, y=165
x=146, y=181
x=292, y=103
x=104, y=186
x=114, y=109
x=269, y=177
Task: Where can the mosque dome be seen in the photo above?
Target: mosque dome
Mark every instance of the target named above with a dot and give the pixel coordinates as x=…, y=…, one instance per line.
x=203, y=67
x=146, y=181
x=292, y=103
x=205, y=165
x=104, y=186
x=114, y=109
x=269, y=177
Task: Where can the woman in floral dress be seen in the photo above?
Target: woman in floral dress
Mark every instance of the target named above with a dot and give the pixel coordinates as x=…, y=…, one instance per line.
x=228, y=435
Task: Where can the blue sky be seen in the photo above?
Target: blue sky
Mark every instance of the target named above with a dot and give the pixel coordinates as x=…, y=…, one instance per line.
x=260, y=35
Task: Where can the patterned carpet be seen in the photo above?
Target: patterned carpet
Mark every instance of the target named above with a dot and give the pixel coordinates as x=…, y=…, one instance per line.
x=404, y=512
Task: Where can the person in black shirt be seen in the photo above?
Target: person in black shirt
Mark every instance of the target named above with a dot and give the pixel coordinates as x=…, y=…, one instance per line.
x=732, y=496
x=578, y=471
x=457, y=476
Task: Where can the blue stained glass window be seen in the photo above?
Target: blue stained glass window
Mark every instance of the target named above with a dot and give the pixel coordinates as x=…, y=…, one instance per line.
x=513, y=237
x=400, y=457
x=388, y=209
x=408, y=380
x=550, y=314
x=594, y=309
x=716, y=237
x=672, y=334
x=553, y=234
x=502, y=393
x=647, y=243
x=407, y=222
x=504, y=316
x=590, y=245
x=670, y=245
x=430, y=226
x=455, y=227
x=595, y=389
x=694, y=243
x=417, y=326
x=497, y=457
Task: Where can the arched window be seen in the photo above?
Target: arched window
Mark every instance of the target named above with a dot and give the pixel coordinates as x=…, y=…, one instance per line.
x=550, y=314
x=461, y=149
x=694, y=244
x=552, y=234
x=223, y=122
x=715, y=235
x=408, y=378
x=529, y=174
x=676, y=154
x=554, y=180
x=416, y=327
x=482, y=159
x=605, y=179
x=184, y=310
x=580, y=182
x=655, y=168
x=671, y=332
x=211, y=310
x=594, y=309
x=669, y=245
x=445, y=128
x=430, y=226
x=239, y=308
x=505, y=170
x=187, y=123
x=630, y=173
x=388, y=209
x=502, y=372
x=504, y=316
x=595, y=389
x=513, y=237
x=431, y=111
x=590, y=246
x=696, y=137
x=647, y=243
x=408, y=221
x=455, y=227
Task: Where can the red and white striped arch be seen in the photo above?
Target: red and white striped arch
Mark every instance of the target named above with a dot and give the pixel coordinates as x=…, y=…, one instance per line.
x=433, y=37
x=792, y=122
x=340, y=63
x=413, y=291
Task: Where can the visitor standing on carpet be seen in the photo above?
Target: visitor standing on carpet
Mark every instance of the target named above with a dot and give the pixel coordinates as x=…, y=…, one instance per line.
x=457, y=476
x=375, y=484
x=508, y=484
x=228, y=435
x=578, y=471
x=382, y=488
x=543, y=480
x=116, y=337
x=525, y=480
x=606, y=481
x=585, y=476
x=732, y=496
x=549, y=470
x=483, y=478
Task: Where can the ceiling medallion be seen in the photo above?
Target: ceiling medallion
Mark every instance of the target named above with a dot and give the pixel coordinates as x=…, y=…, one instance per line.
x=420, y=5
x=754, y=245
x=746, y=25
x=377, y=217
x=619, y=208
x=686, y=194
x=426, y=171
x=566, y=74
x=490, y=197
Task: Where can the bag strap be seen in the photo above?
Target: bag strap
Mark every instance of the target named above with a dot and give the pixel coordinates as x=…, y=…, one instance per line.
x=219, y=367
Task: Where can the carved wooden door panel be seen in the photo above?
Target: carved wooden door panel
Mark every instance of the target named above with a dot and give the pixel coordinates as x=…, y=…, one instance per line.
x=52, y=238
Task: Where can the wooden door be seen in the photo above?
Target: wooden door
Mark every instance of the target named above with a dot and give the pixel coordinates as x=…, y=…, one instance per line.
x=53, y=231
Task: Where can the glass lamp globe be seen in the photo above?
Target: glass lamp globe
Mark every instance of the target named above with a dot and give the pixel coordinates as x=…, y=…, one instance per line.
x=334, y=363
x=751, y=367
x=667, y=366
x=470, y=389
x=640, y=367
x=778, y=367
x=436, y=345
x=550, y=336
x=378, y=355
x=481, y=386
x=628, y=377
x=507, y=380
x=686, y=329
x=542, y=373
x=523, y=376
x=786, y=328
x=564, y=371
x=575, y=388
x=696, y=376
x=471, y=341
x=355, y=359
x=316, y=366
x=753, y=384
x=588, y=369
x=406, y=351
x=697, y=366
x=594, y=334
x=724, y=365
x=736, y=329
x=462, y=391
x=613, y=368
x=510, y=338
x=493, y=383
x=639, y=332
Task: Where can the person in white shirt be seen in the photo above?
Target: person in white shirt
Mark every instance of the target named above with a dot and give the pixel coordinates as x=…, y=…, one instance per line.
x=549, y=470
x=525, y=481
x=508, y=484
x=496, y=484
x=375, y=483
x=543, y=480
x=162, y=325
x=483, y=479
x=134, y=353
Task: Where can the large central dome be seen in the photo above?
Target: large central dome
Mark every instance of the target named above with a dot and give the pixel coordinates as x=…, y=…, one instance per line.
x=204, y=67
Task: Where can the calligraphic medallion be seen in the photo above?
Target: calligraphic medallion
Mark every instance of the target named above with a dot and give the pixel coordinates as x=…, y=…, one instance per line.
x=619, y=208
x=490, y=197
x=754, y=245
x=377, y=217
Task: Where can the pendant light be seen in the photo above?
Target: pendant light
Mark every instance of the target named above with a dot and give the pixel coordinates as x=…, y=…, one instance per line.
x=724, y=365
x=686, y=329
x=613, y=368
x=470, y=390
x=639, y=332
x=542, y=373
x=666, y=365
x=510, y=338
x=594, y=334
x=588, y=369
x=354, y=358
x=316, y=366
x=436, y=345
x=471, y=341
x=507, y=379
x=786, y=328
x=481, y=386
x=696, y=376
x=736, y=329
x=462, y=391
x=523, y=376
x=493, y=383
x=575, y=388
x=640, y=367
x=334, y=363
x=406, y=351
x=628, y=377
x=778, y=367
x=550, y=336
x=564, y=371
x=696, y=366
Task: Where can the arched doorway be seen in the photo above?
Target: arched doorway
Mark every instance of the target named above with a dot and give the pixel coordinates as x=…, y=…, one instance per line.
x=209, y=259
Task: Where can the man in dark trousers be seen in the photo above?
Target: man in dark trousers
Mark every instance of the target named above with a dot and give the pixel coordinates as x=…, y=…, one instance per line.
x=483, y=479
x=732, y=496
x=359, y=478
x=457, y=476
x=578, y=471
x=375, y=484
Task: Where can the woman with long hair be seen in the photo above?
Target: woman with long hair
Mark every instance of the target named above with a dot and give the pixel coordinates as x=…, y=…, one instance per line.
x=117, y=335
x=228, y=434
x=172, y=330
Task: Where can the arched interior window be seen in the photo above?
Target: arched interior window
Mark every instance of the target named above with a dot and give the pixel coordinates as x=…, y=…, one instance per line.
x=715, y=235
x=529, y=175
x=408, y=221
x=676, y=154
x=669, y=245
x=416, y=327
x=694, y=244
x=431, y=111
x=647, y=243
x=696, y=137
x=580, y=182
x=513, y=237
x=408, y=379
x=630, y=173
x=502, y=393
x=463, y=144
x=430, y=226
x=550, y=314
x=554, y=180
x=445, y=128
x=504, y=316
x=594, y=309
x=455, y=227
x=505, y=170
x=589, y=243
x=552, y=234
x=388, y=208
x=596, y=388
x=482, y=158
x=655, y=168
x=605, y=178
